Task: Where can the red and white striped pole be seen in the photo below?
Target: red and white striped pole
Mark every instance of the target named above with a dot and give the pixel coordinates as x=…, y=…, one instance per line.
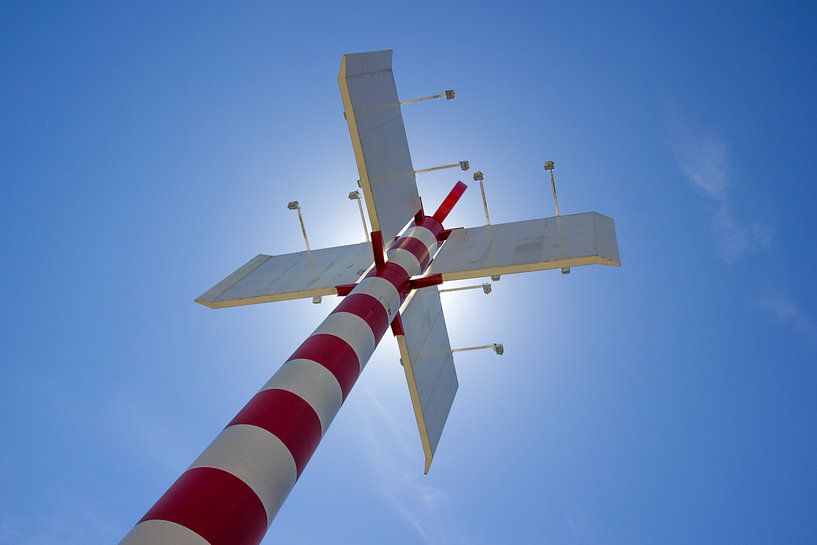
x=232, y=492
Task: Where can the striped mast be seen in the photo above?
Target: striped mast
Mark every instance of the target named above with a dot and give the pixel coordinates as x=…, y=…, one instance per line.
x=233, y=490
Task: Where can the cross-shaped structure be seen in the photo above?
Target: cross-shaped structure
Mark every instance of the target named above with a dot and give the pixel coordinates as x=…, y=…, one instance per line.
x=232, y=492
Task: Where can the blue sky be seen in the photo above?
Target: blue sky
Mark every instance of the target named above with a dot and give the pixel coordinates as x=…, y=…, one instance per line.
x=146, y=150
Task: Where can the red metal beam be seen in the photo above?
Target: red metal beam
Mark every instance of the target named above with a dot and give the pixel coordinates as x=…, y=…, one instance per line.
x=449, y=202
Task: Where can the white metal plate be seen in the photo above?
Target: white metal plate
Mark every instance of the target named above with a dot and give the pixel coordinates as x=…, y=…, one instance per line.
x=267, y=278
x=425, y=352
x=530, y=245
x=379, y=140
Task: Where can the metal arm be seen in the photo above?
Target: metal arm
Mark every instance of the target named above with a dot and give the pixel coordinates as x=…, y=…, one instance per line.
x=294, y=205
x=464, y=165
x=448, y=95
x=480, y=177
x=486, y=288
x=499, y=348
x=356, y=196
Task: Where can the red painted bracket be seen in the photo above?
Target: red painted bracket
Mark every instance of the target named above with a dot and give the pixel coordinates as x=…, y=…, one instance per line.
x=345, y=289
x=425, y=281
x=397, y=326
x=449, y=202
x=377, y=250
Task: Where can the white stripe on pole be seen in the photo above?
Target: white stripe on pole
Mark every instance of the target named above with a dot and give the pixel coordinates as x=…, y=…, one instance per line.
x=151, y=532
x=382, y=290
x=353, y=329
x=405, y=259
x=258, y=458
x=313, y=383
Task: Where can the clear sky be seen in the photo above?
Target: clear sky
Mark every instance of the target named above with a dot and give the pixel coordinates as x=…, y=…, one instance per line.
x=147, y=150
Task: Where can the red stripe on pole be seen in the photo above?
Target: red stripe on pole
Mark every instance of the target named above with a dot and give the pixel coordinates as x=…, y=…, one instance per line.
x=333, y=353
x=449, y=202
x=287, y=417
x=395, y=274
x=215, y=504
x=432, y=225
x=369, y=309
x=416, y=247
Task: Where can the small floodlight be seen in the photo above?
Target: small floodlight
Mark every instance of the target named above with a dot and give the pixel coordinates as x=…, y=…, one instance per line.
x=499, y=348
x=479, y=176
x=495, y=277
x=549, y=165
x=316, y=300
x=293, y=205
x=486, y=288
x=465, y=165
x=354, y=195
x=449, y=94
x=565, y=270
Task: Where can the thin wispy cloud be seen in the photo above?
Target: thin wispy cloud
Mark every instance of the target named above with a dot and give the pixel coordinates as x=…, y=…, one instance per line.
x=776, y=302
x=421, y=505
x=704, y=158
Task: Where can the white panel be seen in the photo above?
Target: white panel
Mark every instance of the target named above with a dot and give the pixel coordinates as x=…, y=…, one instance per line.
x=268, y=278
x=531, y=245
x=313, y=383
x=258, y=458
x=429, y=366
x=378, y=135
x=354, y=330
x=162, y=532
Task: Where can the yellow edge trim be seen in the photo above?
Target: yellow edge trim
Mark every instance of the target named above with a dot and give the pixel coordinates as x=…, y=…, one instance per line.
x=355, y=135
x=415, y=400
x=302, y=294
x=528, y=267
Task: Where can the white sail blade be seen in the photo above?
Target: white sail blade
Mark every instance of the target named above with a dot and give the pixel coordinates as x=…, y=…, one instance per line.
x=530, y=245
x=267, y=278
x=378, y=135
x=425, y=352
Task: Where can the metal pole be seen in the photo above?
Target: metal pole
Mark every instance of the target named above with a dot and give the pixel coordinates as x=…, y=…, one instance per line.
x=232, y=492
x=484, y=287
x=467, y=348
x=412, y=101
x=303, y=229
x=448, y=94
x=550, y=166
x=363, y=218
x=420, y=171
x=464, y=165
x=553, y=186
x=480, y=177
x=499, y=348
x=484, y=201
